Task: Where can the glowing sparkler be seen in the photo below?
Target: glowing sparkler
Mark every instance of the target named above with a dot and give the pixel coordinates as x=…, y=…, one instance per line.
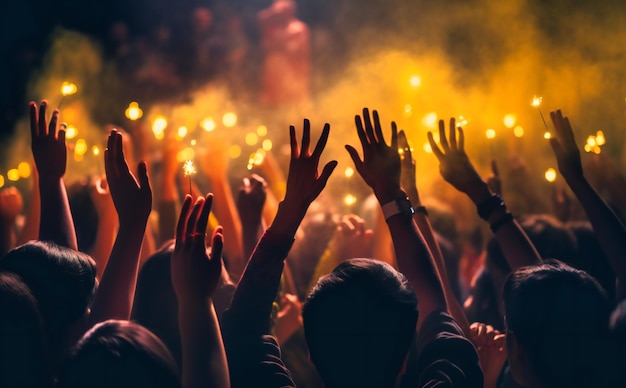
x=550, y=175
x=189, y=169
x=67, y=89
x=537, y=103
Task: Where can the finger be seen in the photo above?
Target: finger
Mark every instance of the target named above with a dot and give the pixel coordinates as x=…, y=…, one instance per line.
x=52, y=128
x=568, y=132
x=33, y=120
x=494, y=168
x=394, y=136
x=294, y=143
x=182, y=221
x=369, y=129
x=204, y=215
x=461, y=146
x=443, y=139
x=306, y=138
x=321, y=143
x=120, y=159
x=323, y=178
x=61, y=136
x=556, y=146
x=358, y=163
x=190, y=231
x=378, y=130
x=142, y=172
x=43, y=130
x=557, y=120
x=434, y=146
x=217, y=245
x=453, y=144
x=360, y=131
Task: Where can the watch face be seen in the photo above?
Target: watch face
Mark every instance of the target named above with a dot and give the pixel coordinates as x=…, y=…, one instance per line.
x=405, y=207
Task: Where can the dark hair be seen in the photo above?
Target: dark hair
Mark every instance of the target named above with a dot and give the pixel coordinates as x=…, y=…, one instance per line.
x=119, y=354
x=560, y=317
x=362, y=314
x=62, y=280
x=23, y=360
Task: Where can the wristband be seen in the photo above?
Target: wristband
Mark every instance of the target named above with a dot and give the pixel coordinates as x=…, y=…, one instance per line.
x=421, y=210
x=489, y=205
x=399, y=206
x=505, y=219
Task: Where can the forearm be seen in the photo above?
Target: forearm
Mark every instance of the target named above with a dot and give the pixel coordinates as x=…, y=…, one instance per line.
x=226, y=213
x=204, y=357
x=518, y=250
x=104, y=243
x=56, y=222
x=608, y=228
x=116, y=291
x=251, y=230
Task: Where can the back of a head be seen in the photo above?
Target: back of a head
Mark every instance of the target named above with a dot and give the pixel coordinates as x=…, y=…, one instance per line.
x=23, y=359
x=358, y=322
x=119, y=354
x=559, y=315
x=62, y=280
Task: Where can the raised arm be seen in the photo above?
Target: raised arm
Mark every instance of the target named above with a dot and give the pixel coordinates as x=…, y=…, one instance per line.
x=195, y=277
x=250, y=200
x=133, y=201
x=608, y=228
x=380, y=168
x=456, y=168
x=409, y=184
x=107, y=224
x=50, y=154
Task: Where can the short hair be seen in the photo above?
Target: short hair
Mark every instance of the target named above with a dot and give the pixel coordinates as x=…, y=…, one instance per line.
x=119, y=354
x=62, y=280
x=23, y=351
x=359, y=322
x=560, y=317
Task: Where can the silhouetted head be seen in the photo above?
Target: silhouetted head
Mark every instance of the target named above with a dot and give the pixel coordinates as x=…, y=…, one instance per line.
x=119, y=354
x=557, y=326
x=62, y=280
x=358, y=322
x=23, y=360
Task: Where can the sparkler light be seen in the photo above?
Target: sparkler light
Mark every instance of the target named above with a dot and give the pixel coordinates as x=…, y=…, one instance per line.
x=550, y=175
x=189, y=169
x=68, y=88
x=536, y=103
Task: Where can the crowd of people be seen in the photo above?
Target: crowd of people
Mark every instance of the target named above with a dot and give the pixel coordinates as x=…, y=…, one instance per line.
x=226, y=301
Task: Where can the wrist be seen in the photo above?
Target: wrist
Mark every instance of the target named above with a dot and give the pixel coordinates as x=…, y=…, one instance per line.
x=387, y=194
x=479, y=193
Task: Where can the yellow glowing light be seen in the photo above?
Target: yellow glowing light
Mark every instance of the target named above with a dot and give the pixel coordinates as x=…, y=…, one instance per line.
x=208, y=124
x=256, y=159
x=591, y=141
x=251, y=138
x=596, y=150
x=415, y=81
x=234, y=151
x=159, y=124
x=193, y=142
x=261, y=130
x=1, y=181
x=518, y=131
x=547, y=135
x=181, y=133
x=266, y=145
x=536, y=101
x=510, y=120
x=430, y=120
x=408, y=110
x=349, y=172
x=600, y=139
x=188, y=168
x=81, y=147
x=68, y=88
x=13, y=175
x=427, y=148
x=588, y=148
x=349, y=199
x=95, y=150
x=490, y=133
x=550, y=175
x=71, y=132
x=133, y=112
x=229, y=119
x=23, y=169
x=461, y=122
x=185, y=154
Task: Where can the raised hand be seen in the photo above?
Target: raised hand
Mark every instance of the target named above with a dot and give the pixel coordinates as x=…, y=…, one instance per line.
x=380, y=167
x=565, y=148
x=195, y=274
x=454, y=165
x=304, y=183
x=490, y=345
x=132, y=198
x=407, y=177
x=353, y=238
x=251, y=198
x=47, y=144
